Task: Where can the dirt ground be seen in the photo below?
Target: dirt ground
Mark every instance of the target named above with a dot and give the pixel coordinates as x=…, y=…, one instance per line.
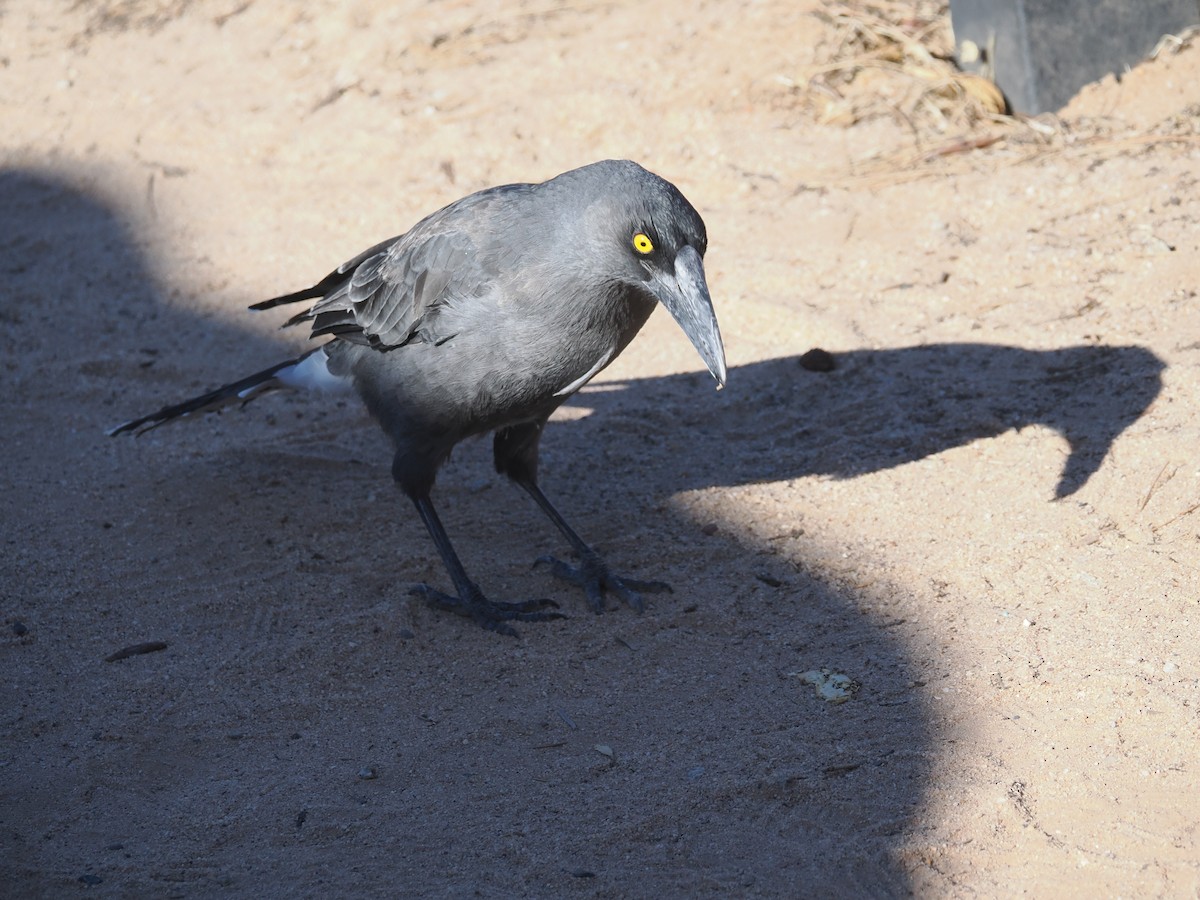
x=987, y=515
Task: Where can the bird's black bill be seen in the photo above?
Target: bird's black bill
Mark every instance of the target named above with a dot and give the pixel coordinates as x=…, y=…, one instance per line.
x=685, y=295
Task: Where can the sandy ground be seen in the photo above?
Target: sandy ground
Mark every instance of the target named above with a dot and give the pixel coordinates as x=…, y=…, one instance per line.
x=987, y=516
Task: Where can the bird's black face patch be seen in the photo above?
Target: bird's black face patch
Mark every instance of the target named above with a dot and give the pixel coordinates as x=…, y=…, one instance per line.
x=660, y=231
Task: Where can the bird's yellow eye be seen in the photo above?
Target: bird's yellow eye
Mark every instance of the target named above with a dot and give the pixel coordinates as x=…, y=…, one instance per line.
x=642, y=244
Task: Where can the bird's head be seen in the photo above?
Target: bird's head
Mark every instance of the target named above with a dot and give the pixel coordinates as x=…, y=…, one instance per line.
x=652, y=238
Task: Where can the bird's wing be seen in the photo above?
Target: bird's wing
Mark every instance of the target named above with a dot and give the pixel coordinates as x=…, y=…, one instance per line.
x=393, y=296
x=392, y=293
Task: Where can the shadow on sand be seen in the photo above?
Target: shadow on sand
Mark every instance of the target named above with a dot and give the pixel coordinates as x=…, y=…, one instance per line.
x=885, y=408
x=727, y=779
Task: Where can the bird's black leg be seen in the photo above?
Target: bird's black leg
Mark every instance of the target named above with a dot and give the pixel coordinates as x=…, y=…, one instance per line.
x=592, y=574
x=470, y=601
x=516, y=453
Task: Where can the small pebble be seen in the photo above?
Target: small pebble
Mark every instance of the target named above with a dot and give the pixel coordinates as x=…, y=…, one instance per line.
x=832, y=687
x=367, y=773
x=90, y=879
x=818, y=360
x=20, y=629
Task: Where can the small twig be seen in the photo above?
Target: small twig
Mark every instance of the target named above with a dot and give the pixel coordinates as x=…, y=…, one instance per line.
x=961, y=146
x=1174, y=42
x=1171, y=521
x=567, y=719
x=136, y=650
x=1100, y=144
x=220, y=20
x=1156, y=483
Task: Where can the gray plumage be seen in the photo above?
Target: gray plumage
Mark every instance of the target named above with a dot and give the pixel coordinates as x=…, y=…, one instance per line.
x=486, y=316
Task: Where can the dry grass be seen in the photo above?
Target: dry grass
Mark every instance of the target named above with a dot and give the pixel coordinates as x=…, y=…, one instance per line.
x=887, y=59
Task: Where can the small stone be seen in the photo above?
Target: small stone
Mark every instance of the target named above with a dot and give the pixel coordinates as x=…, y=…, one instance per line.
x=818, y=360
x=367, y=773
x=90, y=879
x=832, y=687
x=20, y=629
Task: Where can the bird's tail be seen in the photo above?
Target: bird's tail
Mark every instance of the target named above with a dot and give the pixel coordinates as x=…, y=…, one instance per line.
x=308, y=370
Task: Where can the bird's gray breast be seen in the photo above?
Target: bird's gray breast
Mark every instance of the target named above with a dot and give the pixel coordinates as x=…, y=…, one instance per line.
x=543, y=339
x=514, y=356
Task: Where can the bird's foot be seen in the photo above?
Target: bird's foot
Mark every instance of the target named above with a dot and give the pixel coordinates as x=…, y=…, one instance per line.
x=494, y=615
x=593, y=575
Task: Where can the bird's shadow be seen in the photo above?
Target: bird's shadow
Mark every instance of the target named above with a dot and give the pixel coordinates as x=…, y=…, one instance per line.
x=883, y=408
x=766, y=798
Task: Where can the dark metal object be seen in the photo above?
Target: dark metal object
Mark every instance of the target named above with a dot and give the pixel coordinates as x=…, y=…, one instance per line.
x=1041, y=52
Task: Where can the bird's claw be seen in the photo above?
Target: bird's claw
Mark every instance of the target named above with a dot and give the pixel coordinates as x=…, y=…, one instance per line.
x=594, y=576
x=494, y=615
